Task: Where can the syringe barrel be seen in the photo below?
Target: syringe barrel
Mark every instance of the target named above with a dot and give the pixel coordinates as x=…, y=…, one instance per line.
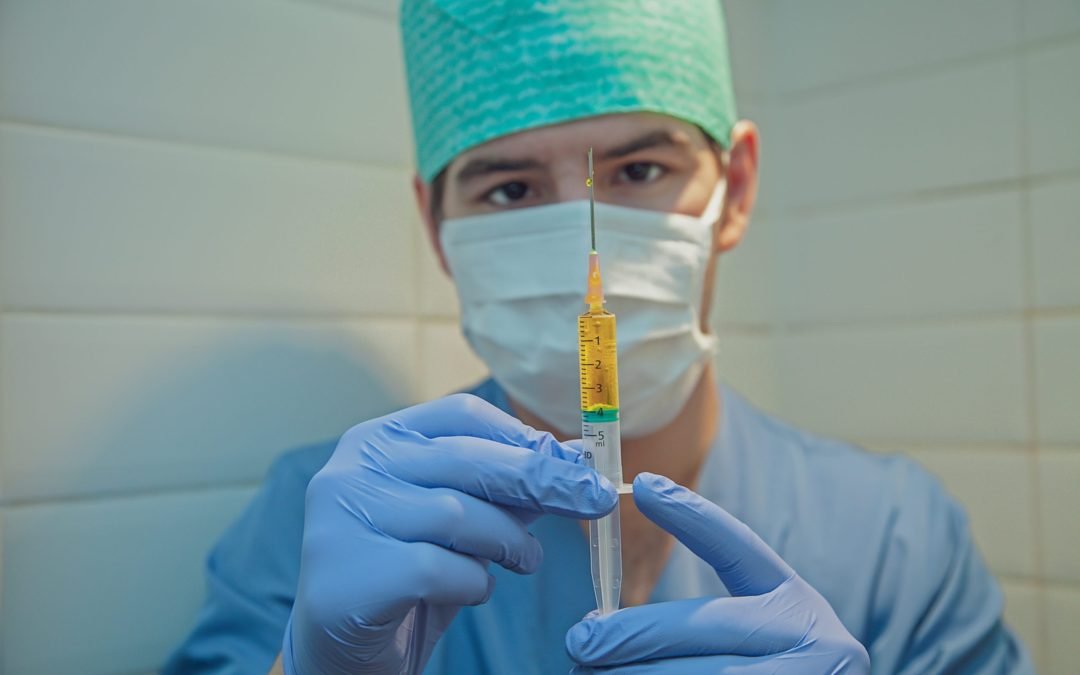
x=601, y=446
x=598, y=362
x=605, y=560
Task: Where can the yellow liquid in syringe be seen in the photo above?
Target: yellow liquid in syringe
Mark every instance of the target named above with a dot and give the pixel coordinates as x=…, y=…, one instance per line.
x=600, y=435
x=599, y=366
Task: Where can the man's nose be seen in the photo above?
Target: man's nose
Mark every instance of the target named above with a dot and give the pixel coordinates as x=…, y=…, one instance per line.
x=571, y=186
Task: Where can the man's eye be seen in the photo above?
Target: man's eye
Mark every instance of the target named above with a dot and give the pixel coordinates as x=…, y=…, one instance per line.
x=641, y=172
x=508, y=193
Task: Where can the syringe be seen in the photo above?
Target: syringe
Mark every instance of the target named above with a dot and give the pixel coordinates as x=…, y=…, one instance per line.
x=601, y=443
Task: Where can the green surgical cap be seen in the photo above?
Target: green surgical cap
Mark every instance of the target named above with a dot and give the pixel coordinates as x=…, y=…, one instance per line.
x=481, y=69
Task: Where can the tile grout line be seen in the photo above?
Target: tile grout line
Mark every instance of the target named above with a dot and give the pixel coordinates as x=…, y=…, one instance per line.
x=3, y=611
x=3, y=450
x=239, y=316
x=771, y=327
x=1030, y=357
x=774, y=327
x=915, y=72
x=919, y=196
x=7, y=504
x=419, y=330
x=3, y=407
x=940, y=446
x=88, y=133
x=812, y=327
x=389, y=15
x=778, y=327
x=753, y=328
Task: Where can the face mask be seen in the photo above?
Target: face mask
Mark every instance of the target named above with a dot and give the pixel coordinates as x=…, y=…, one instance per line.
x=521, y=274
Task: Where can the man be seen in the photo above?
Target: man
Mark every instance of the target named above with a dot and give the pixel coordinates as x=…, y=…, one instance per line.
x=846, y=561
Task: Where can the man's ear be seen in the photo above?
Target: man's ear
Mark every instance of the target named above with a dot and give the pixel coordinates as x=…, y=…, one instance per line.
x=424, y=195
x=741, y=189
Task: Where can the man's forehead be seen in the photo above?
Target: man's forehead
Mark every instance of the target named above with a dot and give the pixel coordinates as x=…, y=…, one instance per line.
x=607, y=134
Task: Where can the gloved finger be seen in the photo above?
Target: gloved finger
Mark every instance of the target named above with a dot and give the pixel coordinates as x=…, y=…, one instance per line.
x=745, y=626
x=744, y=562
x=698, y=665
x=500, y=473
x=442, y=577
x=468, y=415
x=575, y=445
x=456, y=521
x=572, y=454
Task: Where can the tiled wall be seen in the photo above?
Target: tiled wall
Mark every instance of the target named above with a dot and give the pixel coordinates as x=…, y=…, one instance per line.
x=209, y=254
x=921, y=234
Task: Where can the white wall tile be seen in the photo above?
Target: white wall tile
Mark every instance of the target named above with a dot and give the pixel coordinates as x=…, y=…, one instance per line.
x=106, y=587
x=1060, y=503
x=1023, y=610
x=3, y=512
x=447, y=364
x=1062, y=626
x=938, y=258
x=438, y=297
x=1050, y=18
x=1055, y=225
x=745, y=280
x=1053, y=106
x=100, y=223
x=285, y=76
x=747, y=22
x=950, y=128
x=771, y=194
x=830, y=41
x=1057, y=378
x=97, y=404
x=995, y=487
x=385, y=8
x=946, y=383
x=747, y=363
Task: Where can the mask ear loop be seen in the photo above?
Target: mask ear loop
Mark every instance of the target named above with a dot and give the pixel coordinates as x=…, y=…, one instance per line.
x=716, y=203
x=709, y=218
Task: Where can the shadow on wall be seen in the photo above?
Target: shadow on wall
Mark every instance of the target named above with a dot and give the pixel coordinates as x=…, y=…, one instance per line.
x=224, y=414
x=212, y=416
x=186, y=403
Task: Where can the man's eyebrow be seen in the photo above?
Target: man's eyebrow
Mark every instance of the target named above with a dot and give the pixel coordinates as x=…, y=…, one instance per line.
x=660, y=137
x=480, y=166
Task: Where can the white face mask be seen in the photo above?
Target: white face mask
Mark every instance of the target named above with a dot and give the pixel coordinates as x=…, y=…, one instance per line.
x=521, y=275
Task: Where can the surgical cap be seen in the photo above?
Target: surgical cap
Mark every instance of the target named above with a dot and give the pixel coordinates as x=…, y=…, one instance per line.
x=481, y=69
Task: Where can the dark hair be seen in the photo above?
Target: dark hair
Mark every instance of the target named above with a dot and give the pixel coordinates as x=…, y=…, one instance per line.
x=438, y=189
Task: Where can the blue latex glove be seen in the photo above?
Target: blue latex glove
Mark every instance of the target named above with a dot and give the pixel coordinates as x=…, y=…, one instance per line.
x=402, y=521
x=773, y=623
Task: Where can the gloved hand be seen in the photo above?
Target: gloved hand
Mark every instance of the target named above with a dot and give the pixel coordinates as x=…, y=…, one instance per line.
x=773, y=623
x=402, y=521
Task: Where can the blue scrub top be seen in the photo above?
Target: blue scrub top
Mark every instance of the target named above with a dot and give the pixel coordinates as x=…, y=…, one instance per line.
x=876, y=535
